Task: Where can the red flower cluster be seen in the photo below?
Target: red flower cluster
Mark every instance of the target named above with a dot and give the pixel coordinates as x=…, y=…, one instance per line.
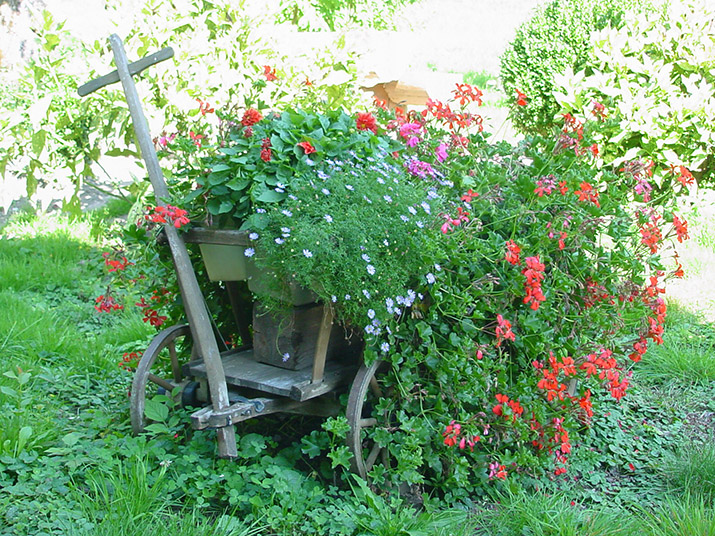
x=520, y=98
x=684, y=176
x=130, y=360
x=266, y=149
x=605, y=366
x=595, y=293
x=545, y=185
x=599, y=110
x=177, y=216
x=588, y=193
x=204, y=107
x=115, y=265
x=467, y=93
x=106, y=304
x=306, y=146
x=196, y=138
x=651, y=236
x=366, y=121
x=451, y=437
x=468, y=196
x=681, y=228
x=151, y=315
x=269, y=73
x=516, y=409
x=251, y=117
x=503, y=330
x=550, y=382
x=512, y=253
x=462, y=216
x=497, y=471
x=452, y=120
x=534, y=273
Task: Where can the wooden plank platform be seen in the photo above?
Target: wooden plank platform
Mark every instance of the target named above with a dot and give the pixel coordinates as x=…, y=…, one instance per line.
x=242, y=371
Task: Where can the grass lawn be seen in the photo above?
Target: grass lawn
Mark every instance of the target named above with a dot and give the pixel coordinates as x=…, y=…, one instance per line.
x=68, y=464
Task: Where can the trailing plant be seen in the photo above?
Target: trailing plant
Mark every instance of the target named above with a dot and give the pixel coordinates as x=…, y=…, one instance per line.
x=544, y=287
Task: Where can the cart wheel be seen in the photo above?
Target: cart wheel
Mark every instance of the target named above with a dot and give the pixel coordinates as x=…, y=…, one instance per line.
x=367, y=389
x=164, y=340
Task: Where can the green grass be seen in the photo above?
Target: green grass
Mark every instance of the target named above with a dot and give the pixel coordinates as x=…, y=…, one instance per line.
x=68, y=464
x=516, y=514
x=691, y=469
x=688, y=351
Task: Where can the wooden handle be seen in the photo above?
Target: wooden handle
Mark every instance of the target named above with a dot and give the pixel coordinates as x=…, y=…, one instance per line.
x=134, y=69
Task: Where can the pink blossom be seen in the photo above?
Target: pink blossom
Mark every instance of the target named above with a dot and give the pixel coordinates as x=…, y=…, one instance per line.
x=441, y=152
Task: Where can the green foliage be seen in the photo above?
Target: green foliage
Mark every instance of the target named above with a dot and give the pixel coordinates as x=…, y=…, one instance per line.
x=55, y=139
x=350, y=230
x=654, y=75
x=691, y=469
x=312, y=15
x=256, y=161
x=554, y=39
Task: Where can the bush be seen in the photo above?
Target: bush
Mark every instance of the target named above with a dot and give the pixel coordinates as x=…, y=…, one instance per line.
x=653, y=81
x=555, y=38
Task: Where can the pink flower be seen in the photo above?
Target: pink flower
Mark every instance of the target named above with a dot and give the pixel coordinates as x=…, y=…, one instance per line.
x=441, y=152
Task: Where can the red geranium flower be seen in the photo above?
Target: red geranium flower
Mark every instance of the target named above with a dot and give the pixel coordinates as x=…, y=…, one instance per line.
x=520, y=98
x=251, y=117
x=269, y=73
x=307, y=147
x=366, y=121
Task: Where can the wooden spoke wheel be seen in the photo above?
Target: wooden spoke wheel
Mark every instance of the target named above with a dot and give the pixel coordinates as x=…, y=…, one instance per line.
x=163, y=344
x=365, y=418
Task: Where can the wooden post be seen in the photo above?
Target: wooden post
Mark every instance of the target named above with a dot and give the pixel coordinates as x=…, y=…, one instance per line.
x=196, y=312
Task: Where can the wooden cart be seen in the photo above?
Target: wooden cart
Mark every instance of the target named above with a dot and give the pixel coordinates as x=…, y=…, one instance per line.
x=233, y=385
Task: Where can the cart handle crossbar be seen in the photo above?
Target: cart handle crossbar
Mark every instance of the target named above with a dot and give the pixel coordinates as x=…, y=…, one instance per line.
x=194, y=306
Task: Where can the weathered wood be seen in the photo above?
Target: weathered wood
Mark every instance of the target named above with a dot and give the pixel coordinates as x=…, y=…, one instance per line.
x=134, y=69
x=240, y=411
x=242, y=370
x=321, y=347
x=143, y=375
x=286, y=339
x=194, y=306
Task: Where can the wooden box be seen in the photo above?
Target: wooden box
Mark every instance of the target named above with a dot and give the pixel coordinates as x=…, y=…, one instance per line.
x=288, y=339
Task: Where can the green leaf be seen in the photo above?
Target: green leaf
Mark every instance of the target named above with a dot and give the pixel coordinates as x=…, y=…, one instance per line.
x=270, y=196
x=225, y=207
x=156, y=411
x=38, y=141
x=220, y=167
x=71, y=439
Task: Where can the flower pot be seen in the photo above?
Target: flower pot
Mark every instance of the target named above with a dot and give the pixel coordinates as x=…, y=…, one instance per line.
x=224, y=255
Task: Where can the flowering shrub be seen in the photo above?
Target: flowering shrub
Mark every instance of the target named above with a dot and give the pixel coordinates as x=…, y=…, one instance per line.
x=542, y=285
x=650, y=84
x=554, y=39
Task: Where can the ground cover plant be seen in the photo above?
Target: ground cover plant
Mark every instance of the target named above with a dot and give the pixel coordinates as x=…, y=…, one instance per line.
x=523, y=285
x=57, y=476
